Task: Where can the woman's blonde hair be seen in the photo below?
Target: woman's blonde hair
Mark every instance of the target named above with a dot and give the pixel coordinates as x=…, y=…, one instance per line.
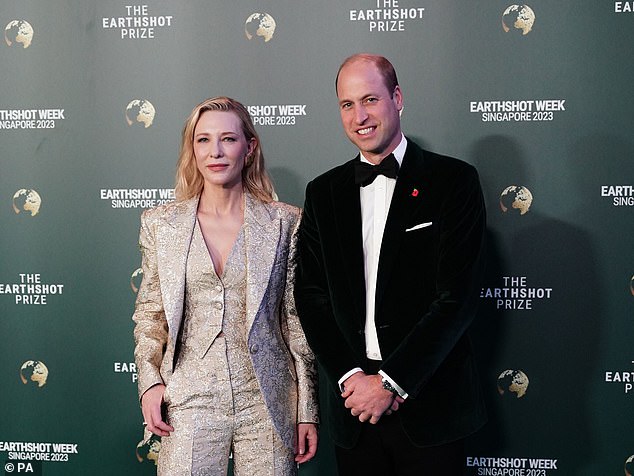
x=255, y=178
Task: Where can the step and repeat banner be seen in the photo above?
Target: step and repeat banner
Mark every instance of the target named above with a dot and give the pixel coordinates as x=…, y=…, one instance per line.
x=537, y=96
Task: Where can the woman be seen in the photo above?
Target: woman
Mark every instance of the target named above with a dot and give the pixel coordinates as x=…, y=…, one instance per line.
x=222, y=362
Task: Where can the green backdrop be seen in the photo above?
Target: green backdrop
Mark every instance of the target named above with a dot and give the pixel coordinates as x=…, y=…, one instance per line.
x=538, y=97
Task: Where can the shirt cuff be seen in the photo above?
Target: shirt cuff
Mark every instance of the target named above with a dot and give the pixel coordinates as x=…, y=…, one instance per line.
x=348, y=374
x=401, y=393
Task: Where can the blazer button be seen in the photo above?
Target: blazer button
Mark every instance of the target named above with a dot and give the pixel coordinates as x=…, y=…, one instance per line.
x=254, y=348
x=218, y=305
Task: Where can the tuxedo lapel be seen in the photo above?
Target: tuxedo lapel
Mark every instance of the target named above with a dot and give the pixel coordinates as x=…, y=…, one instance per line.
x=261, y=228
x=173, y=238
x=408, y=199
x=347, y=209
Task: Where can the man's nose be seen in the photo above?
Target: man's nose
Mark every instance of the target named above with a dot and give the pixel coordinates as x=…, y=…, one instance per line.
x=360, y=114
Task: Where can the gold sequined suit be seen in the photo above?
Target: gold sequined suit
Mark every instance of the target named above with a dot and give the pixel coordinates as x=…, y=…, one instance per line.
x=282, y=361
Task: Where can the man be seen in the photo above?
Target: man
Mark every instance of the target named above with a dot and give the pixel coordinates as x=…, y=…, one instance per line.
x=386, y=287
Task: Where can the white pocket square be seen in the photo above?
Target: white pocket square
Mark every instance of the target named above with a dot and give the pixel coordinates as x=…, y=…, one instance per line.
x=419, y=226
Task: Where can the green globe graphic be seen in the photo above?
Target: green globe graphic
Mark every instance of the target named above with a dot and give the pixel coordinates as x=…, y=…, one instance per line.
x=27, y=201
x=260, y=25
x=516, y=198
x=148, y=449
x=518, y=18
x=34, y=371
x=18, y=33
x=512, y=382
x=140, y=111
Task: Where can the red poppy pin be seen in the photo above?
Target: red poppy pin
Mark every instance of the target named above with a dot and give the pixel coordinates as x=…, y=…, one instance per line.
x=415, y=192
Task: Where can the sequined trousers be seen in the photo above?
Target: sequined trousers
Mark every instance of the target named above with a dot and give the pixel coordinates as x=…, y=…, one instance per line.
x=213, y=400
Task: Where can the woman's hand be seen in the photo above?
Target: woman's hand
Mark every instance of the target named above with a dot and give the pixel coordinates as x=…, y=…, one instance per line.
x=151, y=402
x=307, y=438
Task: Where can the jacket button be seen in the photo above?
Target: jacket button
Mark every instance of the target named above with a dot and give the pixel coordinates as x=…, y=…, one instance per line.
x=254, y=348
x=218, y=305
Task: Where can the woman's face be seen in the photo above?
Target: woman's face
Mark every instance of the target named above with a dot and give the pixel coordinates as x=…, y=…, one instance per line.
x=220, y=148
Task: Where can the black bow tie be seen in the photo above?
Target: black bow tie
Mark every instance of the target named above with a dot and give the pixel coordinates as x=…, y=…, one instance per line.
x=364, y=173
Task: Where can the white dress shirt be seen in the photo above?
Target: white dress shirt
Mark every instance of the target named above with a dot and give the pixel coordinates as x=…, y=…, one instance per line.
x=375, y=205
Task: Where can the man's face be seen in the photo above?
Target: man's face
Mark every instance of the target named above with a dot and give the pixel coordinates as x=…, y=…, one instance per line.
x=369, y=112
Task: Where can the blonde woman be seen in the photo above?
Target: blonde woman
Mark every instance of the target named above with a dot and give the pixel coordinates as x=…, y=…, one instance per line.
x=222, y=361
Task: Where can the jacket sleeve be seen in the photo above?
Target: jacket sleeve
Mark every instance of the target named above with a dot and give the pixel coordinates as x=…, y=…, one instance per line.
x=303, y=358
x=312, y=297
x=150, y=331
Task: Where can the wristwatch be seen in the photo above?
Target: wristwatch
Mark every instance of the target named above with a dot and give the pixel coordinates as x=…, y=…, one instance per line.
x=388, y=386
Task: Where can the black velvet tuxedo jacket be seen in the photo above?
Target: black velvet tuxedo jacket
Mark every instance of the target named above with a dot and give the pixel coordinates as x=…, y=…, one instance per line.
x=429, y=270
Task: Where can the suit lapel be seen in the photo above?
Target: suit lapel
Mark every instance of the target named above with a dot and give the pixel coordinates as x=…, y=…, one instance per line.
x=347, y=209
x=409, y=197
x=260, y=227
x=173, y=239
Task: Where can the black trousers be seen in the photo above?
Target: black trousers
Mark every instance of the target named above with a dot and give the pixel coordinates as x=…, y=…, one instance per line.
x=385, y=450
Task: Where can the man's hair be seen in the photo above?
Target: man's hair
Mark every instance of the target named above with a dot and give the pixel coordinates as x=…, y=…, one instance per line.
x=386, y=69
x=255, y=179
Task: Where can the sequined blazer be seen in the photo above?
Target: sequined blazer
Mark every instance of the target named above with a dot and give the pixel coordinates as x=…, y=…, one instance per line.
x=283, y=362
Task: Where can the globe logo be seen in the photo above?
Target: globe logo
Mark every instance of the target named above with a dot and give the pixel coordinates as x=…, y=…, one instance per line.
x=260, y=25
x=140, y=111
x=629, y=466
x=513, y=381
x=148, y=449
x=135, y=280
x=34, y=371
x=517, y=198
x=18, y=33
x=518, y=18
x=26, y=200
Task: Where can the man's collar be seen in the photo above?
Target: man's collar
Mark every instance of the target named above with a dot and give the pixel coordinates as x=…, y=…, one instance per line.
x=399, y=152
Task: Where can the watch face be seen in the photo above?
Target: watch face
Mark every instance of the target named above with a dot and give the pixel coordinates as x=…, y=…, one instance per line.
x=388, y=386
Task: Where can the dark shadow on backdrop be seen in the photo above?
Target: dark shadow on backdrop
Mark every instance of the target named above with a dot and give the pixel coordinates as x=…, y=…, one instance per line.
x=556, y=343
x=595, y=159
x=288, y=185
